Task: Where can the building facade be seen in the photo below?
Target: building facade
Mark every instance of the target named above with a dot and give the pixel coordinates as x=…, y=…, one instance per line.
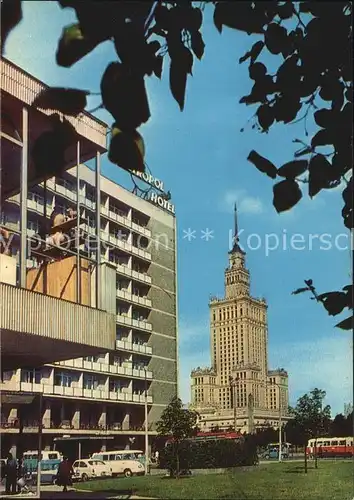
x=239, y=390
x=104, y=395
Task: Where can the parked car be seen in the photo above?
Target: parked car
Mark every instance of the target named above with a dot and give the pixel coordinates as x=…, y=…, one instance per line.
x=90, y=469
x=274, y=453
x=48, y=475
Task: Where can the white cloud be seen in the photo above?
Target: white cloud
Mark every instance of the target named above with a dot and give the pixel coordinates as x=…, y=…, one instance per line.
x=245, y=203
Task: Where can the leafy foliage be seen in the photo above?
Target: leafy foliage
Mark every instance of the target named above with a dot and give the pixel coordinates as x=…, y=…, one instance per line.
x=68, y=101
x=209, y=454
x=178, y=423
x=312, y=41
x=11, y=15
x=48, y=152
x=333, y=302
x=309, y=415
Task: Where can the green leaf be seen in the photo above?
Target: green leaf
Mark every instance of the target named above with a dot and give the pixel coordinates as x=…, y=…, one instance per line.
x=275, y=38
x=11, y=15
x=68, y=101
x=334, y=302
x=253, y=53
x=197, y=44
x=286, y=194
x=324, y=117
x=124, y=96
x=321, y=174
x=265, y=115
x=346, y=324
x=181, y=65
x=293, y=168
x=322, y=138
x=73, y=46
x=286, y=10
x=48, y=151
x=262, y=164
x=299, y=290
x=158, y=66
x=257, y=70
x=127, y=150
x=239, y=15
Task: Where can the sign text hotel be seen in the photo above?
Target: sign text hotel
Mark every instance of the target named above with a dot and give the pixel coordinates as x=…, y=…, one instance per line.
x=154, y=197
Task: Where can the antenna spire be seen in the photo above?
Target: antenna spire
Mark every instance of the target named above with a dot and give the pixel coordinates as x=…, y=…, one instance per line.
x=236, y=247
x=236, y=224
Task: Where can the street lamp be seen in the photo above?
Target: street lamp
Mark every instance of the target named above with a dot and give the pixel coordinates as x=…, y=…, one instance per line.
x=233, y=383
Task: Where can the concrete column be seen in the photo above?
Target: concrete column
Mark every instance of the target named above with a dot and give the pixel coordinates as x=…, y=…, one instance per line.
x=75, y=421
x=126, y=422
x=47, y=415
x=103, y=418
x=13, y=415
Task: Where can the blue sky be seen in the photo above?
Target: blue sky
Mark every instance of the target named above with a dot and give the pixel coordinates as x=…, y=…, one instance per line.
x=201, y=156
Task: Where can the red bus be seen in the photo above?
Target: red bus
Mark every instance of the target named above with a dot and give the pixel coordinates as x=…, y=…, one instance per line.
x=330, y=447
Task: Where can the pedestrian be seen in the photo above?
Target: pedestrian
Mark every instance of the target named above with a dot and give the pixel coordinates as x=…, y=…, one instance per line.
x=11, y=474
x=65, y=473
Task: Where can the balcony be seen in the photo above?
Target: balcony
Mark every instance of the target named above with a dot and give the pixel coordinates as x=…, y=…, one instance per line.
x=64, y=191
x=136, y=299
x=140, y=276
x=142, y=324
x=55, y=329
x=141, y=229
x=124, y=270
x=132, y=346
x=141, y=253
x=143, y=301
x=126, y=320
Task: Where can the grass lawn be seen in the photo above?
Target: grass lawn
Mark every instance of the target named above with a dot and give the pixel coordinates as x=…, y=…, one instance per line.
x=286, y=481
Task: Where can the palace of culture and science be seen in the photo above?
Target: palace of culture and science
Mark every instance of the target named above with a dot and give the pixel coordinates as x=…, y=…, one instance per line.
x=239, y=390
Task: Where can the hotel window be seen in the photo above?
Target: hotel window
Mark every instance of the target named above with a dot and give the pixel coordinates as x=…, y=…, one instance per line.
x=91, y=382
x=63, y=379
x=31, y=376
x=115, y=386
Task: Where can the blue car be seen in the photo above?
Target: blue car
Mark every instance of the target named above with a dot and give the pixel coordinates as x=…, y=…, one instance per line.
x=274, y=453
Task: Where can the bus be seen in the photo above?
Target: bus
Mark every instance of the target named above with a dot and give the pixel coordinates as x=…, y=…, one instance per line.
x=127, y=462
x=325, y=447
x=50, y=460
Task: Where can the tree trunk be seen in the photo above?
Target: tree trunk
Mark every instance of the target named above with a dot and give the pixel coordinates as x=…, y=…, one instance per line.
x=177, y=460
x=305, y=460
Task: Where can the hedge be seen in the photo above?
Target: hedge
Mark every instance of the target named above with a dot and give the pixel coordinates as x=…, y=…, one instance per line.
x=209, y=454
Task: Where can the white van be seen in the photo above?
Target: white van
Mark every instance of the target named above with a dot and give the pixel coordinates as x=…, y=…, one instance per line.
x=121, y=462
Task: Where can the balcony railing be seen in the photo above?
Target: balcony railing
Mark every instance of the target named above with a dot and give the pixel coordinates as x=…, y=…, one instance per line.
x=141, y=229
x=144, y=325
x=126, y=320
x=141, y=253
x=140, y=276
x=133, y=346
x=125, y=294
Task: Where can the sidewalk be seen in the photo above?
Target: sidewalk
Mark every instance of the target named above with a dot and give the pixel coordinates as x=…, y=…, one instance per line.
x=56, y=492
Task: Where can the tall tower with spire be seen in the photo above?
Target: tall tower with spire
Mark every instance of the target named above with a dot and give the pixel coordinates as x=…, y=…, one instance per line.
x=239, y=351
x=237, y=279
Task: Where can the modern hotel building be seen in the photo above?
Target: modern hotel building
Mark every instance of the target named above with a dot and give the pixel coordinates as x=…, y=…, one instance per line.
x=101, y=395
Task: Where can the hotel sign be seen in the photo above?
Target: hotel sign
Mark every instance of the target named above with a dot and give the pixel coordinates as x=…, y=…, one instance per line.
x=154, y=197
